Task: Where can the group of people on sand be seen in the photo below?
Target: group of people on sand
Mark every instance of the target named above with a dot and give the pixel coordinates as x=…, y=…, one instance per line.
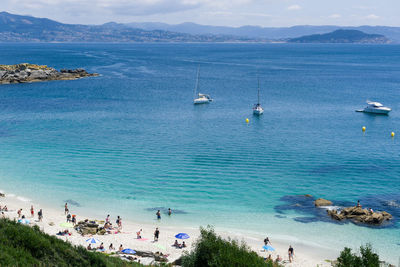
x=70, y=218
x=278, y=258
x=32, y=211
x=102, y=248
x=177, y=245
x=108, y=226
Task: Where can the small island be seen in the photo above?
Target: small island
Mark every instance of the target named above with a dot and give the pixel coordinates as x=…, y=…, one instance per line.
x=26, y=73
x=342, y=36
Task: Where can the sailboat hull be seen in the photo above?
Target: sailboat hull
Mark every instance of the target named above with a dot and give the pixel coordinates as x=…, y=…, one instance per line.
x=201, y=101
x=258, y=111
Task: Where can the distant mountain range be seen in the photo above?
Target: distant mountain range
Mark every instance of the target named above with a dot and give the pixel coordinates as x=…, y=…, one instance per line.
x=342, y=36
x=17, y=28
x=270, y=33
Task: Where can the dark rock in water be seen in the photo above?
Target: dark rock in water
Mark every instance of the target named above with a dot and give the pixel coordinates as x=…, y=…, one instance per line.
x=322, y=202
x=2, y=195
x=306, y=219
x=25, y=72
x=280, y=216
x=305, y=205
x=72, y=202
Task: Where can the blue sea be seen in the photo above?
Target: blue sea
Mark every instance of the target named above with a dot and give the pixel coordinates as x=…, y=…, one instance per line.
x=131, y=140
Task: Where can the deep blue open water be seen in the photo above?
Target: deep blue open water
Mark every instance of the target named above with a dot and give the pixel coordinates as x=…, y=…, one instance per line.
x=131, y=140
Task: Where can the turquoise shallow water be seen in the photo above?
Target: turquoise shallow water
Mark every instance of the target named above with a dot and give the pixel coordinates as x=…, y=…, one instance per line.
x=132, y=140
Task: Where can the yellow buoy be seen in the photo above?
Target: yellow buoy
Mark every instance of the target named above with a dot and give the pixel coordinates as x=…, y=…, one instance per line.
x=247, y=120
x=392, y=134
x=363, y=128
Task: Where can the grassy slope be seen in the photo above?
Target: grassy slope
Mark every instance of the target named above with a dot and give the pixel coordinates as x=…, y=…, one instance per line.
x=22, y=245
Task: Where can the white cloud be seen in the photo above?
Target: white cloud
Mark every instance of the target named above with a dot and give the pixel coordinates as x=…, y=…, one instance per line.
x=372, y=16
x=294, y=7
x=335, y=16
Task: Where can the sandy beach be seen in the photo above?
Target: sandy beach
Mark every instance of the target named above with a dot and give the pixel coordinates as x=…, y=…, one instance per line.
x=305, y=255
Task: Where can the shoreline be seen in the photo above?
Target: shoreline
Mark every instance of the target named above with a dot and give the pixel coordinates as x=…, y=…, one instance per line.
x=305, y=254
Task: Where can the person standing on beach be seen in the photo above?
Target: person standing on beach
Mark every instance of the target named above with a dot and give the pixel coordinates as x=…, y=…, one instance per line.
x=158, y=213
x=19, y=213
x=68, y=218
x=32, y=211
x=40, y=215
x=291, y=253
x=66, y=210
x=108, y=218
x=118, y=221
x=139, y=234
x=266, y=241
x=156, y=234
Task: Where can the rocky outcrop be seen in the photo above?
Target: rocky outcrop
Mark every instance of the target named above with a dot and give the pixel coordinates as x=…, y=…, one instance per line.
x=87, y=228
x=360, y=215
x=2, y=195
x=25, y=72
x=322, y=202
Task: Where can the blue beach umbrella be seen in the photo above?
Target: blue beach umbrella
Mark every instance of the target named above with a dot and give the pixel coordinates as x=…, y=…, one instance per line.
x=268, y=248
x=93, y=240
x=182, y=236
x=128, y=251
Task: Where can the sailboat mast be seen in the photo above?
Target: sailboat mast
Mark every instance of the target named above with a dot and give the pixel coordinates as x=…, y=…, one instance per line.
x=258, y=95
x=196, y=88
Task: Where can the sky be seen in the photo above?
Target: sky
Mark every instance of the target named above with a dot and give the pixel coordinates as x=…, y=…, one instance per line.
x=267, y=13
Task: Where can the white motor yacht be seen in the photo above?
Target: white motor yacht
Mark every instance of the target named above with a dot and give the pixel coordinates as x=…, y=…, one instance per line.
x=376, y=107
x=198, y=97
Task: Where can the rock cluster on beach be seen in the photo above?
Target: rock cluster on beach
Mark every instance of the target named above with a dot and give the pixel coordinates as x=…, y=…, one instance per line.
x=25, y=72
x=360, y=215
x=89, y=228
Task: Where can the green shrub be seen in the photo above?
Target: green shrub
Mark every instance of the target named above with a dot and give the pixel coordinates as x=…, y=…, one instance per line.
x=212, y=250
x=367, y=258
x=21, y=245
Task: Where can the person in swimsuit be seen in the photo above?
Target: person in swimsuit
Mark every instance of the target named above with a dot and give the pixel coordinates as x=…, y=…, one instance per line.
x=66, y=209
x=169, y=211
x=40, y=215
x=139, y=234
x=156, y=234
x=121, y=248
x=108, y=218
x=111, y=247
x=291, y=253
x=19, y=213
x=158, y=213
x=32, y=211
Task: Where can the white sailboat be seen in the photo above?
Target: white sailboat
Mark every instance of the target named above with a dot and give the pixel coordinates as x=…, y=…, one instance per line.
x=257, y=109
x=200, y=98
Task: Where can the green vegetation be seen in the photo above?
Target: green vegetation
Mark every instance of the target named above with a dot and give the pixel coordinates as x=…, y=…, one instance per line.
x=22, y=245
x=367, y=258
x=212, y=250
